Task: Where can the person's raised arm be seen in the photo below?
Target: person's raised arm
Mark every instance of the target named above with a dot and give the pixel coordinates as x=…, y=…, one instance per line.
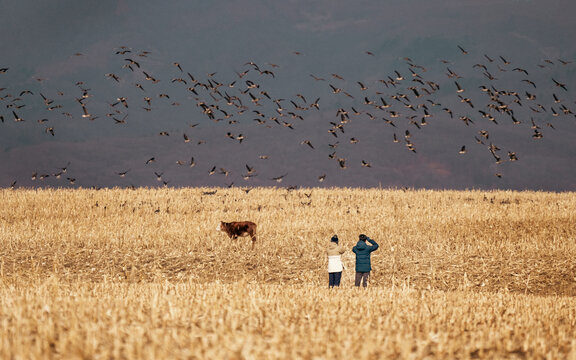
x=374, y=246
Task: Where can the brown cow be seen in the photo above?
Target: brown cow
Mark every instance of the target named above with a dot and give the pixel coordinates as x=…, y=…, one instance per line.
x=239, y=228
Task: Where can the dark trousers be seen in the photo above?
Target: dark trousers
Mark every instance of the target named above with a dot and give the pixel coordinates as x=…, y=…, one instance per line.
x=362, y=277
x=334, y=278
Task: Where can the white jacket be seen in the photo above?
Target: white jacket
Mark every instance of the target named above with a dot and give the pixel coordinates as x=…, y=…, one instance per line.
x=335, y=263
x=334, y=253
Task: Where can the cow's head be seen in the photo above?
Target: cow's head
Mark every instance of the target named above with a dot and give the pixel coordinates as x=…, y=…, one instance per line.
x=219, y=227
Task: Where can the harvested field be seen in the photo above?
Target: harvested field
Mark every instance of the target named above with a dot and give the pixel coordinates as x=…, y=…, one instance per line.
x=118, y=273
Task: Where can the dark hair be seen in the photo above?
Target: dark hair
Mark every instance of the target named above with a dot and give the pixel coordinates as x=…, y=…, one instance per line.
x=334, y=239
x=363, y=237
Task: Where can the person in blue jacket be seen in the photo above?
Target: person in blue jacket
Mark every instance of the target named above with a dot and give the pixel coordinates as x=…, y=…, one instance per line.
x=363, y=266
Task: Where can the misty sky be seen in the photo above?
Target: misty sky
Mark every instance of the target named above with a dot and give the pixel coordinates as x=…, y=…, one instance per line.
x=425, y=94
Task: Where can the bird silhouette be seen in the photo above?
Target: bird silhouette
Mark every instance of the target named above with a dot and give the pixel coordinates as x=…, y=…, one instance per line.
x=279, y=178
x=307, y=142
x=16, y=117
x=559, y=84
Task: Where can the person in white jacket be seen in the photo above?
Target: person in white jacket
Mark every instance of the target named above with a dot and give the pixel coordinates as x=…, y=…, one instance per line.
x=335, y=266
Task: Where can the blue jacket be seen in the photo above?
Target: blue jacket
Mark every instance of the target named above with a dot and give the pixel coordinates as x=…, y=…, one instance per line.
x=362, y=251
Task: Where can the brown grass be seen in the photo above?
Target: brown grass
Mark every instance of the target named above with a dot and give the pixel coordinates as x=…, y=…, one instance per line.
x=143, y=274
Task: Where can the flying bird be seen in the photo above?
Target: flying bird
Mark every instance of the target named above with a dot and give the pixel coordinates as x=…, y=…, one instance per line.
x=466, y=100
x=537, y=134
x=224, y=172
x=530, y=82
x=458, y=87
x=335, y=90
x=506, y=62
x=16, y=117
x=85, y=112
x=113, y=76
x=559, y=84
x=307, y=142
x=279, y=178
x=132, y=62
x=150, y=78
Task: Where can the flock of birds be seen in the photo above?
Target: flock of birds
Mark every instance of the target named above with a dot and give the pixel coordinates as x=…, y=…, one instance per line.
x=406, y=101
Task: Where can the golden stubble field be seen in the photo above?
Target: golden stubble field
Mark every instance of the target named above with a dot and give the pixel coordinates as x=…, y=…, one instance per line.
x=143, y=274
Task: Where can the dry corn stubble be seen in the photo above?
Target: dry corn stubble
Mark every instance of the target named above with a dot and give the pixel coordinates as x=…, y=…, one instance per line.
x=143, y=274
